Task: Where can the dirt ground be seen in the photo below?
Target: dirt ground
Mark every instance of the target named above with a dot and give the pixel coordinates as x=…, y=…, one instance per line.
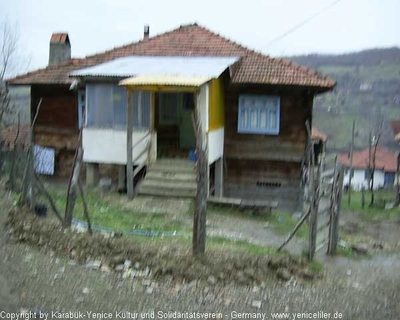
x=32, y=278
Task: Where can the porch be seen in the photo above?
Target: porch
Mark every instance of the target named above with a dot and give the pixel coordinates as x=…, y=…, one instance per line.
x=153, y=120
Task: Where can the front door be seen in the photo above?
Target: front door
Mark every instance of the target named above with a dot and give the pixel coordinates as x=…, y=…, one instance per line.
x=187, y=139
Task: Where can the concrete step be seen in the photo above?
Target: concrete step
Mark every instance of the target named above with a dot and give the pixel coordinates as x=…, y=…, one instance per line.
x=181, y=193
x=172, y=169
x=170, y=178
x=175, y=161
x=169, y=175
x=173, y=165
x=173, y=185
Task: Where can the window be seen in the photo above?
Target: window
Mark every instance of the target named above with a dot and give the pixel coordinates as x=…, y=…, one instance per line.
x=141, y=109
x=259, y=114
x=106, y=107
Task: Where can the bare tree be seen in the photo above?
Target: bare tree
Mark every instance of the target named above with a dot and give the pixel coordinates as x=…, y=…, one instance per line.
x=8, y=50
x=11, y=61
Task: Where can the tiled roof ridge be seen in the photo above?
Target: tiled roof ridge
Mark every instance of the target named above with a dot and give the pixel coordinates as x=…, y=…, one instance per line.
x=166, y=33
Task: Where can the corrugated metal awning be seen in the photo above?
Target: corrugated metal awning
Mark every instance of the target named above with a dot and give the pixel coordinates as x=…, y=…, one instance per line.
x=211, y=67
x=161, y=80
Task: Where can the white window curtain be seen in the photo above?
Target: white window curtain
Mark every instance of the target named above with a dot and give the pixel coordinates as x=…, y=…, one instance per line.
x=106, y=107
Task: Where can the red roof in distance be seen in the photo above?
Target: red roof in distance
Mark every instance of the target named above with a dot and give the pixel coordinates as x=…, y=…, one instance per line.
x=384, y=159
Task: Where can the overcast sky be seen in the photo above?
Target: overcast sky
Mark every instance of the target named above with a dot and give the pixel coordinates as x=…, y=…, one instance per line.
x=94, y=26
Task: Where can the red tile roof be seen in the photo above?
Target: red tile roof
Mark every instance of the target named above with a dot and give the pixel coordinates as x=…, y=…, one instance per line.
x=192, y=40
x=8, y=135
x=59, y=37
x=318, y=135
x=384, y=159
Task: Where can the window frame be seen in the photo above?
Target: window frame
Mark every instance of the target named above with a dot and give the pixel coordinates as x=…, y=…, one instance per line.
x=258, y=130
x=118, y=97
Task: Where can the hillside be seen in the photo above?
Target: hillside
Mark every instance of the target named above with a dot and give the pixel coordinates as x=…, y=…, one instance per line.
x=368, y=90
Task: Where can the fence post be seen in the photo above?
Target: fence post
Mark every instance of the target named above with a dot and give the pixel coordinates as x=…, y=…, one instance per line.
x=336, y=200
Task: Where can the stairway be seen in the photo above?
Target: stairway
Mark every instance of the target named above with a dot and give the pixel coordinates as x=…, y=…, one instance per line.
x=170, y=178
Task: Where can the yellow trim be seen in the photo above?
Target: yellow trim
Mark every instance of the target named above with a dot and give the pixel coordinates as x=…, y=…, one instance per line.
x=159, y=88
x=216, y=105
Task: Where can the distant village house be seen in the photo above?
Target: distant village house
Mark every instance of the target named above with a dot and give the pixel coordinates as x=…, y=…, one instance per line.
x=384, y=173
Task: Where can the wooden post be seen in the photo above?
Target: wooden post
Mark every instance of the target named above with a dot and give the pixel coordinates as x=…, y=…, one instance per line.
x=199, y=218
x=397, y=181
x=362, y=197
x=351, y=162
x=85, y=207
x=314, y=181
x=72, y=189
x=337, y=193
x=369, y=159
x=373, y=170
x=29, y=171
x=129, y=160
x=219, y=178
x=121, y=178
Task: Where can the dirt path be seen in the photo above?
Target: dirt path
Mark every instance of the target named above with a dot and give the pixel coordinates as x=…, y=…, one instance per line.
x=30, y=279
x=254, y=231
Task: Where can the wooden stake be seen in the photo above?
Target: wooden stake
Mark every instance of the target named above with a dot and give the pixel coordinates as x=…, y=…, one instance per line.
x=314, y=180
x=296, y=228
x=73, y=188
x=85, y=207
x=351, y=162
x=199, y=218
x=29, y=171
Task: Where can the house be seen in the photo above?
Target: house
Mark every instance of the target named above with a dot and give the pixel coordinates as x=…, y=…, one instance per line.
x=253, y=110
x=385, y=168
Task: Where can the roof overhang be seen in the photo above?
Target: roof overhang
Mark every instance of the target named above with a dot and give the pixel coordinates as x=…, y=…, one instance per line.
x=165, y=66
x=165, y=83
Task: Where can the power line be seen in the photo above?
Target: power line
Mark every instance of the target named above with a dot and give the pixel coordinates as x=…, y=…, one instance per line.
x=297, y=26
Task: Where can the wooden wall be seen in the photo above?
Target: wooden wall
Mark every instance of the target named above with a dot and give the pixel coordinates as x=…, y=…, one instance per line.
x=57, y=123
x=266, y=166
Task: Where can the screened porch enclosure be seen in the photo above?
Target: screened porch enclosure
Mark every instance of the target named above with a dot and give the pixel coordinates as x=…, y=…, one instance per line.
x=166, y=117
x=105, y=128
x=107, y=107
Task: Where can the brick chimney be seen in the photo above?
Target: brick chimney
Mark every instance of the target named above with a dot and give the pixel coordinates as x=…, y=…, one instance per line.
x=60, y=48
x=146, y=32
